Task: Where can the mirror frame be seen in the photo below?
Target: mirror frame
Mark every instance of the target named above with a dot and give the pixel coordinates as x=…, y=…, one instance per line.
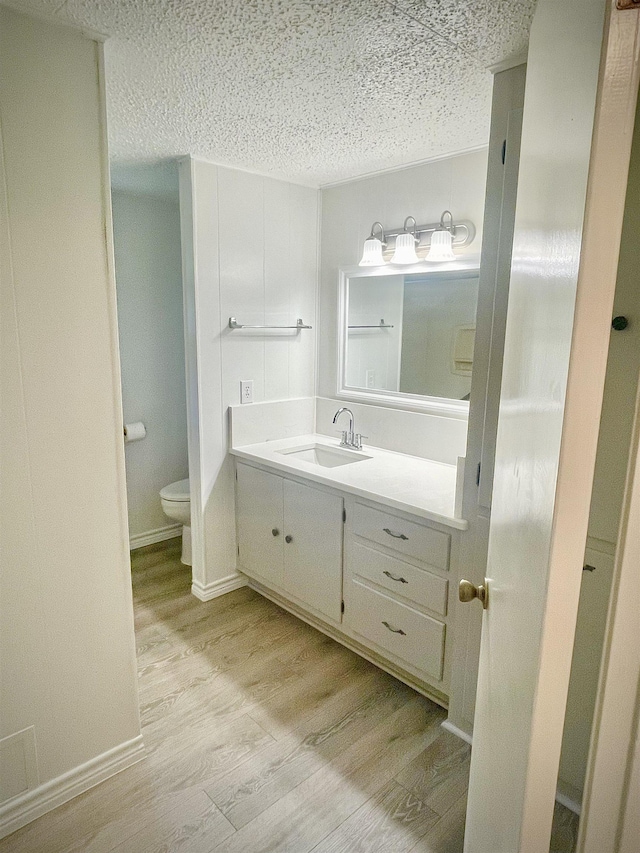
x=468, y=264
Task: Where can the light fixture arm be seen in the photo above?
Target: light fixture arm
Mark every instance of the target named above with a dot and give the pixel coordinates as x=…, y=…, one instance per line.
x=409, y=229
x=382, y=235
x=450, y=227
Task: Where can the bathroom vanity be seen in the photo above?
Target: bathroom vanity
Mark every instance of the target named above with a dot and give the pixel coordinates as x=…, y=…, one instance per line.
x=361, y=544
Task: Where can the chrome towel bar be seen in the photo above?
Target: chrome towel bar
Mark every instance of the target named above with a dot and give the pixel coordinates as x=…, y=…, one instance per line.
x=233, y=324
x=380, y=325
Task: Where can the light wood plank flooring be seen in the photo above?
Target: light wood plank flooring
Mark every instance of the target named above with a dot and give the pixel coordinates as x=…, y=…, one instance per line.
x=264, y=736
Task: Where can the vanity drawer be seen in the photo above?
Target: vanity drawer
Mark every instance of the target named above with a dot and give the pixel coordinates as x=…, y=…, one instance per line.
x=422, y=587
x=408, y=537
x=400, y=630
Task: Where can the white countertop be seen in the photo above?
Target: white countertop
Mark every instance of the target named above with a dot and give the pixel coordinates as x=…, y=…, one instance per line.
x=408, y=483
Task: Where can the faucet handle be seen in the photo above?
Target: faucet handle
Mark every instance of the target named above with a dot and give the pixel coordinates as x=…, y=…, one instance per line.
x=357, y=440
x=344, y=437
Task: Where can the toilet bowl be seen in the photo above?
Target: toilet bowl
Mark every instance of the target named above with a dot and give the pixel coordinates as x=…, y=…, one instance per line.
x=176, y=504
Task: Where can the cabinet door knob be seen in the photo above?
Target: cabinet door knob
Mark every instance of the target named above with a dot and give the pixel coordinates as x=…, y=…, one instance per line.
x=275, y=532
x=288, y=539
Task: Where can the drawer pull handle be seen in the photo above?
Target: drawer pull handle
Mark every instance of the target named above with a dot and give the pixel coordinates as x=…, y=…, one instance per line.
x=400, y=580
x=395, y=535
x=394, y=630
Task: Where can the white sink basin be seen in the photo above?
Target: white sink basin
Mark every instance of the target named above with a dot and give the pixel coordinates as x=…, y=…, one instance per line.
x=326, y=457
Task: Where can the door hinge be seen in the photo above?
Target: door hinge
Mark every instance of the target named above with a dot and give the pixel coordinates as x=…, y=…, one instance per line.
x=236, y=475
x=344, y=516
x=504, y=151
x=342, y=607
x=238, y=548
x=478, y=474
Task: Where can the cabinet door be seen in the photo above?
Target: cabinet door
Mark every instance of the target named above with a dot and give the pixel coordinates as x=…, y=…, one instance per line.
x=313, y=556
x=259, y=514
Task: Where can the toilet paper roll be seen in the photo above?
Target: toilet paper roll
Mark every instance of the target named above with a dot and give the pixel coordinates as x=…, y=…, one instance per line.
x=134, y=432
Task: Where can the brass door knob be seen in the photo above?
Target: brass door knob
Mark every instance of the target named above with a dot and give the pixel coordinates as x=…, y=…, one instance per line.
x=467, y=591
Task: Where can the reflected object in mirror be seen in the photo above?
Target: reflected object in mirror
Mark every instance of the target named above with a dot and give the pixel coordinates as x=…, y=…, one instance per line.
x=425, y=347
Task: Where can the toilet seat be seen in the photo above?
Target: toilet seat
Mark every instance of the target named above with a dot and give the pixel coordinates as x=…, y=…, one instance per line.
x=178, y=491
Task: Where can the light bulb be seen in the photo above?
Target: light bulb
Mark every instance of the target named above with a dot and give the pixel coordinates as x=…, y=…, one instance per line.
x=441, y=246
x=405, y=252
x=372, y=253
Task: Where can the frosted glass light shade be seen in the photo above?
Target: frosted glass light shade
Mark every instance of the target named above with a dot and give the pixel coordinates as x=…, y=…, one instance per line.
x=372, y=253
x=405, y=252
x=441, y=246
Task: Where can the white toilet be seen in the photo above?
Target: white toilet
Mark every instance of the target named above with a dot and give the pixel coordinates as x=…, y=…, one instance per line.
x=176, y=504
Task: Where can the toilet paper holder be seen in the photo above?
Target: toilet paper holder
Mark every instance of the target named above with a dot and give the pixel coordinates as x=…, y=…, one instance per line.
x=134, y=432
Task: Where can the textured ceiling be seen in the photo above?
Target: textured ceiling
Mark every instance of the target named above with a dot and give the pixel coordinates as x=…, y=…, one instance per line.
x=312, y=90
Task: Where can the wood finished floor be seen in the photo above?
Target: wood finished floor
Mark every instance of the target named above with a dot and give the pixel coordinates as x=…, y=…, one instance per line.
x=265, y=736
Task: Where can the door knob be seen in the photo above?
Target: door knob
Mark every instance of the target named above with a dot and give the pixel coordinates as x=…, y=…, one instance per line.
x=467, y=591
x=275, y=532
x=288, y=539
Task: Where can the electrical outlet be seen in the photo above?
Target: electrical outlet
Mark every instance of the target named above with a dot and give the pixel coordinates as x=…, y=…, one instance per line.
x=371, y=378
x=246, y=390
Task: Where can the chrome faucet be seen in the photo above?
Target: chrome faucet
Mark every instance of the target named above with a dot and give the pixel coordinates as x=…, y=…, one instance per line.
x=349, y=437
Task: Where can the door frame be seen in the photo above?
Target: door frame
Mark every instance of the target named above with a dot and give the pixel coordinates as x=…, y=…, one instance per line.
x=614, y=753
x=612, y=786
x=609, y=158
x=615, y=722
x=606, y=194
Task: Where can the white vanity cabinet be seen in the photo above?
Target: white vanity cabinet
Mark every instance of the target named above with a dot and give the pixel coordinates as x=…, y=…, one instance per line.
x=396, y=590
x=333, y=546
x=290, y=538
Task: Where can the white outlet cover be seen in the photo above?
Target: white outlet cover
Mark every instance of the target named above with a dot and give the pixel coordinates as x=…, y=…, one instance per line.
x=246, y=390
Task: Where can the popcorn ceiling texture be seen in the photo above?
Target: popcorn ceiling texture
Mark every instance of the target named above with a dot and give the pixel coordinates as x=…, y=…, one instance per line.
x=313, y=91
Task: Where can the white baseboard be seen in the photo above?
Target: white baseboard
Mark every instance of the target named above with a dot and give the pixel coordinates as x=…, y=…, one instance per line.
x=153, y=536
x=21, y=810
x=205, y=592
x=570, y=801
x=445, y=724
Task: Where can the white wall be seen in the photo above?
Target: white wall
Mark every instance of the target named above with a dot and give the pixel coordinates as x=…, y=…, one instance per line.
x=146, y=231
x=66, y=626
x=349, y=210
x=249, y=251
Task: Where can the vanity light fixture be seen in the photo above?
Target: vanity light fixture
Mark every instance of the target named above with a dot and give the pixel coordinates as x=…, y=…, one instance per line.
x=442, y=241
x=372, y=252
x=438, y=237
x=406, y=243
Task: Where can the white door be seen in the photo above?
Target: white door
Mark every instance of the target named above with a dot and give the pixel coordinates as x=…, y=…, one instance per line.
x=313, y=548
x=561, y=291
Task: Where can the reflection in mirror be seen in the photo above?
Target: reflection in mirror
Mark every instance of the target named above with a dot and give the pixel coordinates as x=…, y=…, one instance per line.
x=411, y=334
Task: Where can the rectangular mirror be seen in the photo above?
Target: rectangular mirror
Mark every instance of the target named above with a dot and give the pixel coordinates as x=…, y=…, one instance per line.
x=408, y=335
